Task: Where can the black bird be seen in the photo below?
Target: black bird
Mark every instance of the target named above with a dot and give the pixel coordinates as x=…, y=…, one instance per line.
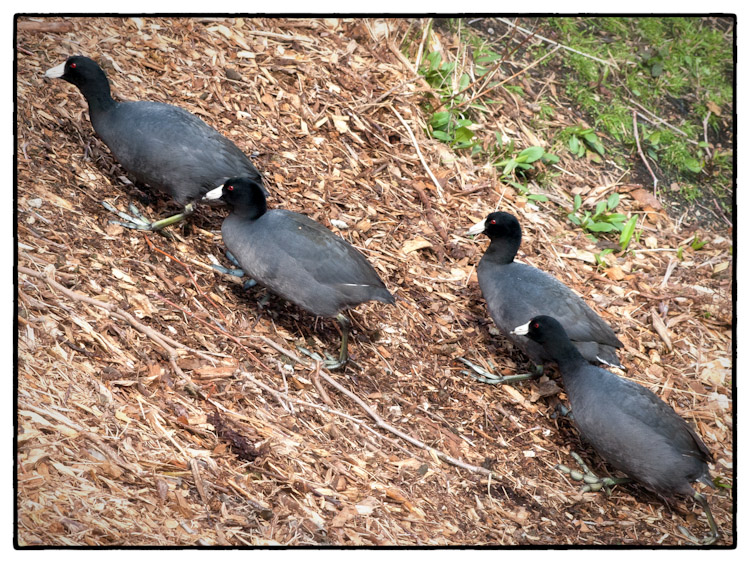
x=296, y=257
x=515, y=292
x=629, y=426
x=161, y=145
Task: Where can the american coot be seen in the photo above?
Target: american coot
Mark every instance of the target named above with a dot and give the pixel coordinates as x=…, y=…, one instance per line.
x=296, y=257
x=162, y=145
x=631, y=428
x=515, y=292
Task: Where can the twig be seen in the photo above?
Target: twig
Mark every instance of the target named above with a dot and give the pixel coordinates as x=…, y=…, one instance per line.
x=213, y=327
x=659, y=120
x=380, y=423
x=640, y=152
x=705, y=134
x=419, y=154
x=162, y=340
x=426, y=32
x=526, y=31
x=523, y=70
x=279, y=395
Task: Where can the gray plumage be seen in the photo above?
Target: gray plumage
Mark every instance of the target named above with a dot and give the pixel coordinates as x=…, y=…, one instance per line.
x=302, y=261
x=629, y=426
x=295, y=257
x=516, y=292
x=161, y=145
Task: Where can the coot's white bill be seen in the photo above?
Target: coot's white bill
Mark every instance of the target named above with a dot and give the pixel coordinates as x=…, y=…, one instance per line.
x=55, y=72
x=476, y=229
x=215, y=193
x=522, y=330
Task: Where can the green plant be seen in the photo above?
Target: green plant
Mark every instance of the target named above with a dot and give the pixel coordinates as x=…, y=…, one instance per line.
x=583, y=138
x=450, y=125
x=524, y=191
x=697, y=243
x=602, y=219
x=524, y=159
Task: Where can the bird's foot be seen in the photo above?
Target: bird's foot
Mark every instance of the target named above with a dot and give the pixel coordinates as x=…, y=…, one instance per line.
x=592, y=482
x=329, y=362
x=490, y=378
x=139, y=222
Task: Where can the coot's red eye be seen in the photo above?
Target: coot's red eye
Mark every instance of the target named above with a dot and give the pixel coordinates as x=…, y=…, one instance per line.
x=230, y=188
x=535, y=325
x=72, y=65
x=492, y=221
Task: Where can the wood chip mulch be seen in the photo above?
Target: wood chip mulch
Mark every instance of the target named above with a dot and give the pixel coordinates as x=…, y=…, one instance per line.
x=160, y=404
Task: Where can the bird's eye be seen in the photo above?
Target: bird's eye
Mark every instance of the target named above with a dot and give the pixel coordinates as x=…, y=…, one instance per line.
x=230, y=188
x=72, y=65
x=535, y=325
x=492, y=221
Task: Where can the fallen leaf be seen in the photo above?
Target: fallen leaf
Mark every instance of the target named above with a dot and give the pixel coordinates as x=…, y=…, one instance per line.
x=415, y=244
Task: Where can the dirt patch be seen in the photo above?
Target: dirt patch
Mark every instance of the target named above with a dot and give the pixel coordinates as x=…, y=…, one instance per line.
x=159, y=404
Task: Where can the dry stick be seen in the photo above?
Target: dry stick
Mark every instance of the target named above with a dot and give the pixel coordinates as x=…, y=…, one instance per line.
x=190, y=273
x=526, y=31
x=214, y=328
x=522, y=71
x=659, y=120
x=419, y=154
x=640, y=152
x=384, y=425
x=705, y=134
x=278, y=395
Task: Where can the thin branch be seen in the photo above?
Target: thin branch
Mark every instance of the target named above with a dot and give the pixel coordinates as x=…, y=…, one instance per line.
x=419, y=154
x=640, y=152
x=526, y=31
x=380, y=423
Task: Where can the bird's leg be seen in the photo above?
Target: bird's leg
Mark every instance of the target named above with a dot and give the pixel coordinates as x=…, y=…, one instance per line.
x=713, y=536
x=235, y=272
x=331, y=363
x=492, y=379
x=139, y=222
x=593, y=483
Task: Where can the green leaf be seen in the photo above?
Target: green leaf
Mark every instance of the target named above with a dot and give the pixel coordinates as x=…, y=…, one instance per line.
x=593, y=141
x=530, y=154
x=600, y=208
x=441, y=135
x=654, y=138
x=463, y=82
x=613, y=200
x=693, y=165
x=576, y=202
x=537, y=197
x=549, y=158
x=600, y=227
x=573, y=144
x=463, y=135
x=574, y=219
x=509, y=167
x=657, y=69
x=627, y=232
x=616, y=218
x=440, y=119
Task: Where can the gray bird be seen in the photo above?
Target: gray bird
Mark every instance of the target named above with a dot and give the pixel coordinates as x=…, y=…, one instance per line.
x=631, y=428
x=515, y=292
x=161, y=145
x=296, y=257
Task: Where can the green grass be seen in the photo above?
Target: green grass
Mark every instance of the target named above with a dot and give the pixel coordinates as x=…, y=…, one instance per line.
x=677, y=68
x=660, y=58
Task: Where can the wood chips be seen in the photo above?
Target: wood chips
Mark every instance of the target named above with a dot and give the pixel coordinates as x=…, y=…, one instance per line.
x=160, y=404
